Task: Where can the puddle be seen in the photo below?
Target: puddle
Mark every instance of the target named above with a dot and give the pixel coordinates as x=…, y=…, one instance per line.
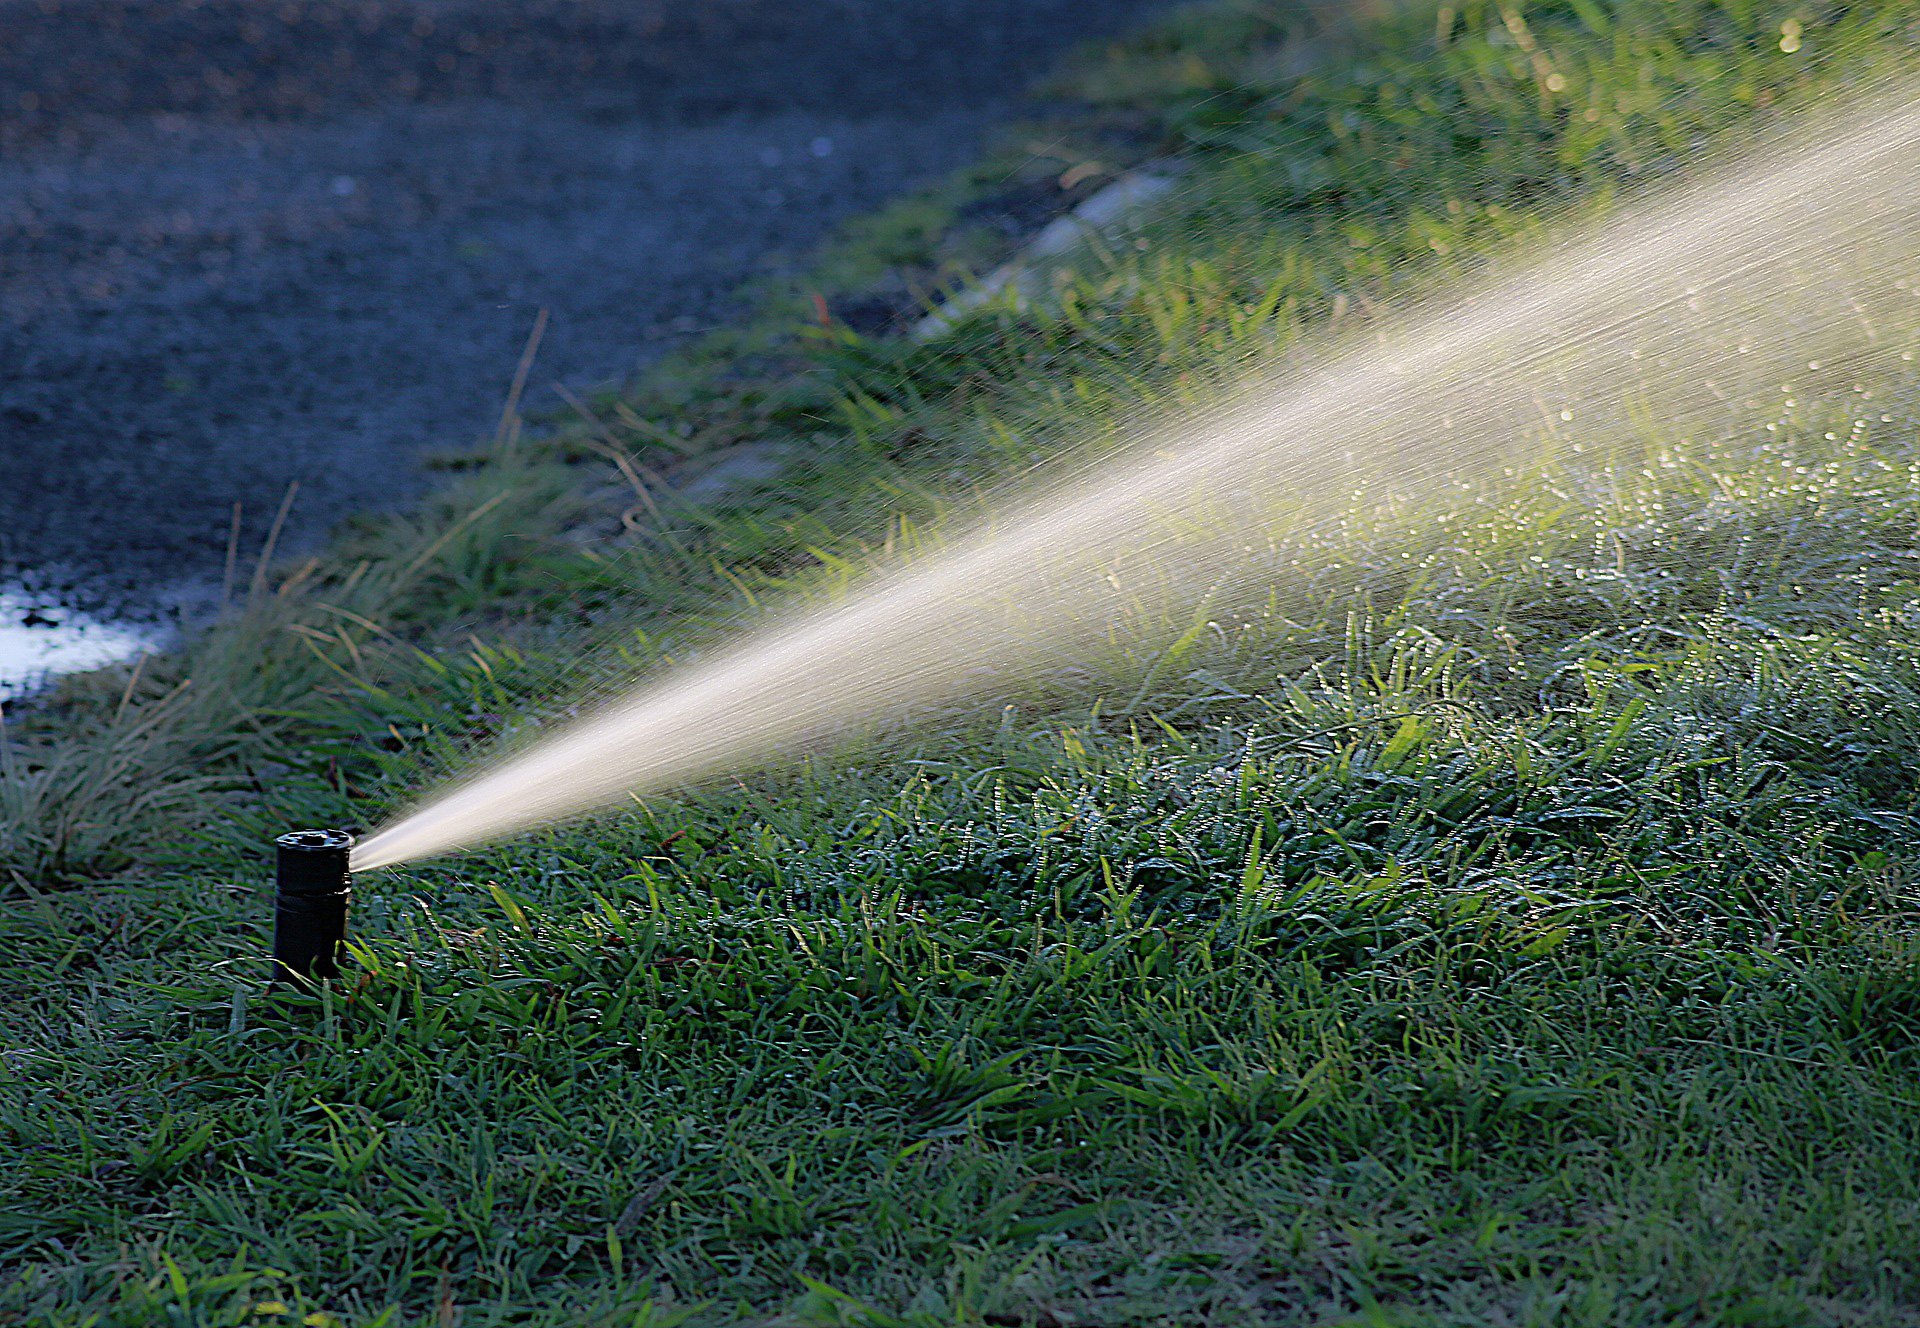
x=40, y=640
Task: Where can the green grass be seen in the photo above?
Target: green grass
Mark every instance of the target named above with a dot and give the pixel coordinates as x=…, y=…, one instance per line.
x=1511, y=926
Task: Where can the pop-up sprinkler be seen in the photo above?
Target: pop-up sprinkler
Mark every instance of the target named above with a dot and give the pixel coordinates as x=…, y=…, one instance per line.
x=312, y=890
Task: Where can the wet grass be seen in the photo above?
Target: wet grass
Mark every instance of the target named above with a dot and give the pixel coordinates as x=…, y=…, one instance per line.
x=1513, y=925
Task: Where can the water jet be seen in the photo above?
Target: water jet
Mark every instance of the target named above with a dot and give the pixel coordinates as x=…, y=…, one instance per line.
x=1690, y=307
x=313, y=886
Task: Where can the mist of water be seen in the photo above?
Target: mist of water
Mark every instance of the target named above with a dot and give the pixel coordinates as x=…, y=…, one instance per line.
x=1797, y=262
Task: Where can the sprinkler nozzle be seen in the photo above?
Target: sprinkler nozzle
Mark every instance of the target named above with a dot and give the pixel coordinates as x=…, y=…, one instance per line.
x=312, y=887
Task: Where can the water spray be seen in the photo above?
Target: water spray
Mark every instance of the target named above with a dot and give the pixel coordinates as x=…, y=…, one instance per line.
x=1798, y=259
x=313, y=885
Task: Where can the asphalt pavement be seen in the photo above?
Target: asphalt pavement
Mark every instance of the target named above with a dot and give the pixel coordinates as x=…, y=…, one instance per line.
x=249, y=242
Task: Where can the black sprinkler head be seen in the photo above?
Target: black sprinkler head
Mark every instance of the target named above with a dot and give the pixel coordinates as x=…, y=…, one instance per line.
x=312, y=890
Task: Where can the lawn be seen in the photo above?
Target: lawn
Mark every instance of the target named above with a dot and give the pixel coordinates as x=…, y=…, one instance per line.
x=1506, y=919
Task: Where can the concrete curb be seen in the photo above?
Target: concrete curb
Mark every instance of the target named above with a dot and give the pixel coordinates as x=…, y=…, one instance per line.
x=1120, y=202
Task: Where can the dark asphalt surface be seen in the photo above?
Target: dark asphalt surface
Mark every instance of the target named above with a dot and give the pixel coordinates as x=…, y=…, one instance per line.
x=246, y=242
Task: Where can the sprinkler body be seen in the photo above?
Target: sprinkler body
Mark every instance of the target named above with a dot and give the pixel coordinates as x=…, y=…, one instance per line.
x=312, y=890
